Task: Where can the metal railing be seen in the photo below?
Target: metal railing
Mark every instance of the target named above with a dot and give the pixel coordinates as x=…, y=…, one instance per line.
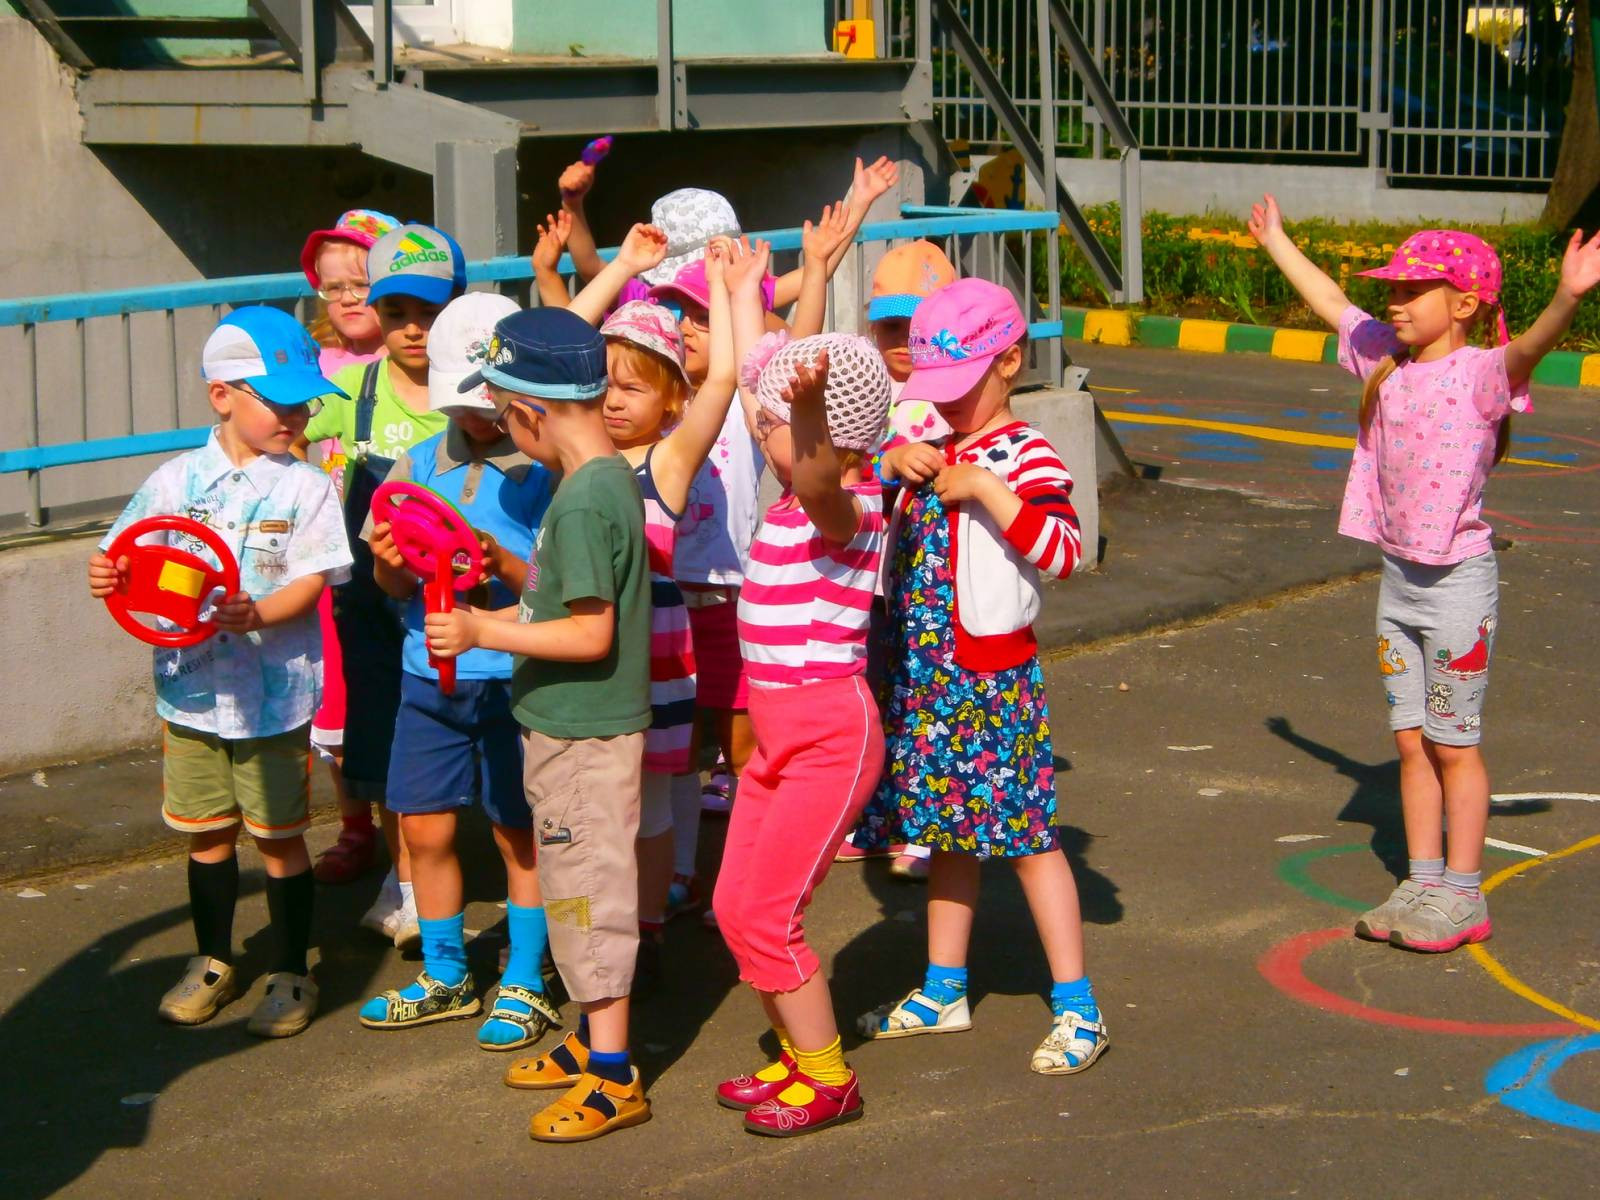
x=1423, y=89
x=106, y=380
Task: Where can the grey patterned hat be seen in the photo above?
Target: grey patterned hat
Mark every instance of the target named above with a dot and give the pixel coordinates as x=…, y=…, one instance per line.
x=690, y=217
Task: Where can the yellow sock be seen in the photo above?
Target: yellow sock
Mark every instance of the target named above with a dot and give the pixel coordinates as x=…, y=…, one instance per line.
x=775, y=1071
x=825, y=1065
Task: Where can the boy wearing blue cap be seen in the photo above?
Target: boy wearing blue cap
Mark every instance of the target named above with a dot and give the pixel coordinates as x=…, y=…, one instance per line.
x=415, y=270
x=237, y=708
x=581, y=692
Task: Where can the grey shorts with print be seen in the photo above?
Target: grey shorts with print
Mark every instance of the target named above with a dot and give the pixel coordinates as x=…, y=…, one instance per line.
x=1436, y=630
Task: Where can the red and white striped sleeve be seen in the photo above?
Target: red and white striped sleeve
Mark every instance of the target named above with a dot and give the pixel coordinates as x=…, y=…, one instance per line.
x=1046, y=531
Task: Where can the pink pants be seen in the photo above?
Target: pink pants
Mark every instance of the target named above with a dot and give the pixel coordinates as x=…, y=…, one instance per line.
x=819, y=751
x=327, y=727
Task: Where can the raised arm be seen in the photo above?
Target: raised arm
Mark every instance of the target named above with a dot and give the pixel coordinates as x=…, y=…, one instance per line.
x=869, y=183
x=747, y=266
x=818, y=242
x=814, y=478
x=1580, y=271
x=678, y=456
x=575, y=183
x=1324, y=297
x=554, y=232
x=644, y=247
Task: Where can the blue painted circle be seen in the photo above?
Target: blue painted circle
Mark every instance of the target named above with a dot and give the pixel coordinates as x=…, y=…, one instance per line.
x=1521, y=1081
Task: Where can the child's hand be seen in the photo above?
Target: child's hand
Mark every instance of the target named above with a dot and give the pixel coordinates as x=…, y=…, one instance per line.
x=493, y=552
x=1580, y=266
x=747, y=266
x=383, y=547
x=643, y=248
x=962, y=481
x=106, y=576
x=237, y=614
x=830, y=232
x=872, y=182
x=806, y=390
x=1266, y=222
x=575, y=182
x=451, y=634
x=553, y=231
x=914, y=462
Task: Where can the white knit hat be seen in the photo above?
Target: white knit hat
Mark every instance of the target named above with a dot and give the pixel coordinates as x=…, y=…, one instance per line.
x=857, y=392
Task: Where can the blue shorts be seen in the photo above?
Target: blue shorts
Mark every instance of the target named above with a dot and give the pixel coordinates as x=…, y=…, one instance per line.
x=451, y=751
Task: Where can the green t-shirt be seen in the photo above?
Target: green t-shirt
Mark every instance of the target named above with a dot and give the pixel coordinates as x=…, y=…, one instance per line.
x=395, y=425
x=591, y=544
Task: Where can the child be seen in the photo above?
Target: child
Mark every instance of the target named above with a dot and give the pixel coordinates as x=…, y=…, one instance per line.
x=905, y=277
x=449, y=750
x=1435, y=416
x=236, y=707
x=969, y=770
x=582, y=695
x=415, y=270
x=335, y=263
x=803, y=615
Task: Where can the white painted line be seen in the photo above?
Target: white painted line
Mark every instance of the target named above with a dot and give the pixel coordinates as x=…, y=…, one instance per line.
x=1514, y=847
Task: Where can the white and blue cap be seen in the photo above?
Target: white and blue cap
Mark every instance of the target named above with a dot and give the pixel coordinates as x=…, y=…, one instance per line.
x=416, y=260
x=545, y=352
x=270, y=351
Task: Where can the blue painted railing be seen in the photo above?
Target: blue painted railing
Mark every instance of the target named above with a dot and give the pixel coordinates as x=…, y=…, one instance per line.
x=955, y=226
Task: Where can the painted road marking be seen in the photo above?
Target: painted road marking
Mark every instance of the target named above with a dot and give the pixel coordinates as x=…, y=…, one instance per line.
x=1295, y=871
x=1269, y=433
x=1514, y=847
x=1522, y=1081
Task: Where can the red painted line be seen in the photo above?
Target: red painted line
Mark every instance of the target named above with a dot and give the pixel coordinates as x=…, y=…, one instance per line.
x=1283, y=966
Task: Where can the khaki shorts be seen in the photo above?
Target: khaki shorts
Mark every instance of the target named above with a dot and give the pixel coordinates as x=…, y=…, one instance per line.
x=584, y=793
x=211, y=783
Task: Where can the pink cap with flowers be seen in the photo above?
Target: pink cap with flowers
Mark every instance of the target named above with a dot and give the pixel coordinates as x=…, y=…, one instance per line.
x=955, y=334
x=360, y=226
x=650, y=327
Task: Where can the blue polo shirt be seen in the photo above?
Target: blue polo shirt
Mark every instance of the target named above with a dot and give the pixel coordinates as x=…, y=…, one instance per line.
x=500, y=491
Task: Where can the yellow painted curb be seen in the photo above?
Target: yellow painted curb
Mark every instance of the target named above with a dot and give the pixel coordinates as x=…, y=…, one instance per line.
x=1589, y=376
x=1108, y=327
x=1301, y=345
x=1209, y=337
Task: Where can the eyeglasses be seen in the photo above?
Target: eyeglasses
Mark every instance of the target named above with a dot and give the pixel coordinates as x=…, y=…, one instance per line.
x=312, y=406
x=696, y=316
x=335, y=292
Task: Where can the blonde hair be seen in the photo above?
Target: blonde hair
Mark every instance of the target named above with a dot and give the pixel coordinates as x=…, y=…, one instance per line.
x=1480, y=326
x=657, y=374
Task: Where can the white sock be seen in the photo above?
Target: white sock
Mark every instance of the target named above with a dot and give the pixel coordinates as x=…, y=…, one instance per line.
x=407, y=900
x=685, y=792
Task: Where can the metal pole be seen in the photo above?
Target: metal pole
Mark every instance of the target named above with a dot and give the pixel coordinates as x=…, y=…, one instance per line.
x=1375, y=104
x=310, y=67
x=382, y=43
x=35, y=495
x=1048, y=126
x=1132, y=227
x=1100, y=58
x=664, y=99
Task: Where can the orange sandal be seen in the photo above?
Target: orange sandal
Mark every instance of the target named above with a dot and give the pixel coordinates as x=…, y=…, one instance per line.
x=593, y=1108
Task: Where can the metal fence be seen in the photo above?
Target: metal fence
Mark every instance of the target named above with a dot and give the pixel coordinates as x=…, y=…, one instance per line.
x=1427, y=90
x=107, y=381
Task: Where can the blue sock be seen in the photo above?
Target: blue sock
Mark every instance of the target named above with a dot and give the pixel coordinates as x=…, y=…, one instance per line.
x=529, y=934
x=614, y=1067
x=1075, y=995
x=444, y=949
x=944, y=984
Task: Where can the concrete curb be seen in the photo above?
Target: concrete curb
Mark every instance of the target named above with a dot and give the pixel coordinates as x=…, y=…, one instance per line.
x=1121, y=327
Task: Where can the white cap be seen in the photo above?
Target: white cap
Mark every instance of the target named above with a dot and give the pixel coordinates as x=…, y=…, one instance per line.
x=458, y=345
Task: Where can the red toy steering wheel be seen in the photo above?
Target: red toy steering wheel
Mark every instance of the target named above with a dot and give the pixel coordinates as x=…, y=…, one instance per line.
x=438, y=544
x=169, y=583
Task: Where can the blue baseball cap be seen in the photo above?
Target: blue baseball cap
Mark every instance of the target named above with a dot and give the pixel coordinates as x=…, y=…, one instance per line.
x=545, y=352
x=416, y=260
x=269, y=350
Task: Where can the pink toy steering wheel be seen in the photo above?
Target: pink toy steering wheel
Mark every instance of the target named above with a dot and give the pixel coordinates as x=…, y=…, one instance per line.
x=166, y=582
x=438, y=544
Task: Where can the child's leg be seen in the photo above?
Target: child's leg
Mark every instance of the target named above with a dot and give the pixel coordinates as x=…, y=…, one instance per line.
x=435, y=869
x=654, y=847
x=213, y=891
x=1421, y=796
x=520, y=1015
x=1052, y=896
x=290, y=892
x=952, y=903
x=1465, y=781
x=939, y=1005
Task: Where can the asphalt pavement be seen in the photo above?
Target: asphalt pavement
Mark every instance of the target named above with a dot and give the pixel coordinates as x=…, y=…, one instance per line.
x=1229, y=799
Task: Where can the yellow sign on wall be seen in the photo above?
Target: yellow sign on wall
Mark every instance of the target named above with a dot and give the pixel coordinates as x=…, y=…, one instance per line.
x=856, y=39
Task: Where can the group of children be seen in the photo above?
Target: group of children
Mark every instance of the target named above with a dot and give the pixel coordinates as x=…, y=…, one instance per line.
x=607, y=450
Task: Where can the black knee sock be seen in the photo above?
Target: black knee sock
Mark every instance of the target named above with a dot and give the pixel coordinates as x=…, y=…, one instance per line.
x=213, y=890
x=289, y=903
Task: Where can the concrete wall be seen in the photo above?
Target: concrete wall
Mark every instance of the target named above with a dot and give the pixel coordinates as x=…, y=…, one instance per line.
x=77, y=686
x=700, y=28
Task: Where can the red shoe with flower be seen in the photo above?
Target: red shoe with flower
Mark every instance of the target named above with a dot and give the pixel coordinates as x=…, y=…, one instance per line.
x=744, y=1092
x=806, y=1106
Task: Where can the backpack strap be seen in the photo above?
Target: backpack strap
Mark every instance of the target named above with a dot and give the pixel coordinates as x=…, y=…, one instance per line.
x=366, y=405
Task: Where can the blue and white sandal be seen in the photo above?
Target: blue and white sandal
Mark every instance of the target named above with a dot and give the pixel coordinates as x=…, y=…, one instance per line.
x=917, y=1013
x=1072, y=1045
x=535, y=1017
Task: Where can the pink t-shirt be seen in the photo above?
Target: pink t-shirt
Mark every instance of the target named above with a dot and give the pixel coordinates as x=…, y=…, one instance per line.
x=1417, y=477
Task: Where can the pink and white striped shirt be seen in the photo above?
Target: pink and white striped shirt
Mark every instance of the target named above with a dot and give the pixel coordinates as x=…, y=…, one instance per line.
x=806, y=602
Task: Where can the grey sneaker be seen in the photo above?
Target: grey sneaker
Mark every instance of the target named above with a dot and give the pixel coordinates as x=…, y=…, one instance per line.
x=1442, y=920
x=1376, y=923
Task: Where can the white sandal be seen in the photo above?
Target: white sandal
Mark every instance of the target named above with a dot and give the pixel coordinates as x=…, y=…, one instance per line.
x=898, y=1020
x=1065, y=1045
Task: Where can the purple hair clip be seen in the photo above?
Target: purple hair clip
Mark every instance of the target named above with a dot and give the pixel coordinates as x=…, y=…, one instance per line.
x=596, y=150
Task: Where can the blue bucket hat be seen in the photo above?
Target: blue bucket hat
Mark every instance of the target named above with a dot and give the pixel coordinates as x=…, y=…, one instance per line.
x=545, y=352
x=269, y=350
x=416, y=260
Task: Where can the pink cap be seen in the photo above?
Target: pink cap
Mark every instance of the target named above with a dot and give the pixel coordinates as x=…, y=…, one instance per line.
x=955, y=334
x=360, y=227
x=690, y=282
